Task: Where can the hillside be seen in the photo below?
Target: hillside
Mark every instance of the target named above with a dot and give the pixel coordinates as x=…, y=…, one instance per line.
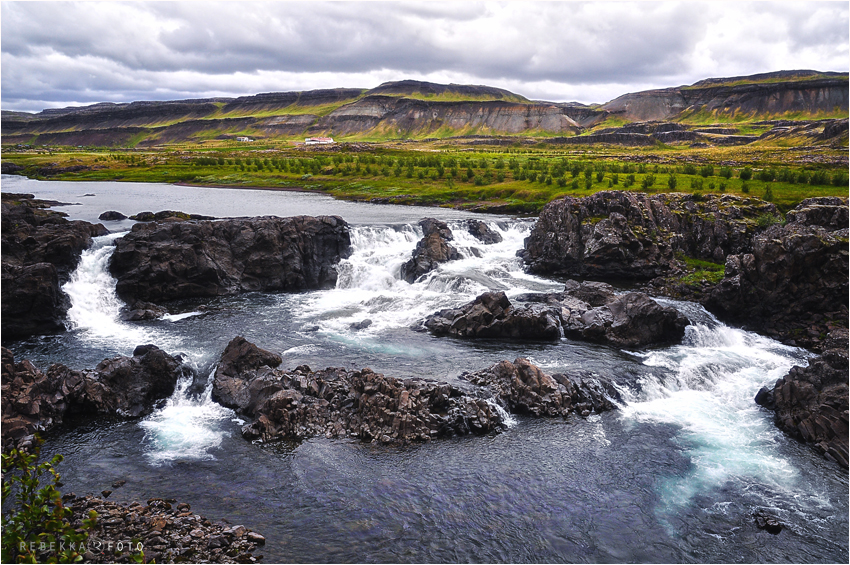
x=416, y=110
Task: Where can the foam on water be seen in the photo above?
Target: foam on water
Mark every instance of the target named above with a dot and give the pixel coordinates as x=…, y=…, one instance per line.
x=370, y=287
x=187, y=428
x=707, y=391
x=94, y=305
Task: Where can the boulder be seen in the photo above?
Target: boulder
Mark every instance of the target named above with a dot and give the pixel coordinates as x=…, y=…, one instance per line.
x=811, y=404
x=629, y=235
x=793, y=284
x=123, y=386
x=40, y=250
x=627, y=320
x=522, y=387
x=434, y=248
x=335, y=402
x=158, y=262
x=482, y=232
x=111, y=216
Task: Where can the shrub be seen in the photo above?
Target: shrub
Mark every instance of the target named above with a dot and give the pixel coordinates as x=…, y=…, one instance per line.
x=745, y=188
x=726, y=172
x=706, y=171
x=37, y=528
x=767, y=220
x=746, y=173
x=768, y=194
x=689, y=169
x=696, y=184
x=671, y=183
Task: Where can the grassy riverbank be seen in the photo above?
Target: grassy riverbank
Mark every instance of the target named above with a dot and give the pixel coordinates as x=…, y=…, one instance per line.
x=514, y=179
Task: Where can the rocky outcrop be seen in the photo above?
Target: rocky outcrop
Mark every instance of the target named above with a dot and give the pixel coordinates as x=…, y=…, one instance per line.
x=629, y=235
x=522, y=387
x=124, y=386
x=793, y=284
x=811, y=403
x=157, y=262
x=482, y=232
x=335, y=402
x=167, y=215
x=586, y=311
x=40, y=249
x=434, y=248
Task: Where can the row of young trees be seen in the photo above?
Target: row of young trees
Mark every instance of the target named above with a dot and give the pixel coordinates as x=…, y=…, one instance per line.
x=483, y=170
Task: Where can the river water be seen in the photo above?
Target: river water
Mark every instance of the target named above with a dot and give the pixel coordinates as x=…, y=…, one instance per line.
x=673, y=476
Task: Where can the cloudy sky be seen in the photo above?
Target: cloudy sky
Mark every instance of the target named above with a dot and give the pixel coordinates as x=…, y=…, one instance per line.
x=57, y=54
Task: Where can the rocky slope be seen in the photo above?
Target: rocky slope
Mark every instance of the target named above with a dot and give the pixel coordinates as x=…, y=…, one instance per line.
x=40, y=249
x=793, y=282
x=766, y=95
x=169, y=260
x=811, y=403
x=419, y=109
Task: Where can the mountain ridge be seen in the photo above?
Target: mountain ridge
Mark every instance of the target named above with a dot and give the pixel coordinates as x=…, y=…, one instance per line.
x=418, y=109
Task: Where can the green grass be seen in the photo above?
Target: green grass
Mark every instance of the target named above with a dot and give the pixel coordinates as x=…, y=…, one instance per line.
x=383, y=171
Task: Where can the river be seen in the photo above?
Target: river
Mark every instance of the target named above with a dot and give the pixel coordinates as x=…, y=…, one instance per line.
x=674, y=475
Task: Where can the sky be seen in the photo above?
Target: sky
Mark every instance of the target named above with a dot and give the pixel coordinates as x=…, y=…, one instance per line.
x=58, y=54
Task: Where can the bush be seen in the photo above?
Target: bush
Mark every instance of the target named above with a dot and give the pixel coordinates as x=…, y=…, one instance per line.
x=37, y=528
x=726, y=172
x=671, y=183
x=689, y=169
x=746, y=173
x=706, y=171
x=745, y=188
x=768, y=194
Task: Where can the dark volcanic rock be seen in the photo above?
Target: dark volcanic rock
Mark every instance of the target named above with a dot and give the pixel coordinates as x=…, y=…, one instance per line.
x=587, y=311
x=482, y=232
x=167, y=215
x=628, y=235
x=158, y=262
x=40, y=249
x=434, y=248
x=793, y=285
x=111, y=215
x=523, y=387
x=338, y=403
x=811, y=403
x=125, y=386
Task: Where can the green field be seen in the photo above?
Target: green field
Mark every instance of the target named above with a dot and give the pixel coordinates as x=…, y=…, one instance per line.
x=516, y=179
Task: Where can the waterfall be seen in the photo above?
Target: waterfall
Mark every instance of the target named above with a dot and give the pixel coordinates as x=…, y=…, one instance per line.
x=95, y=307
x=705, y=387
x=188, y=427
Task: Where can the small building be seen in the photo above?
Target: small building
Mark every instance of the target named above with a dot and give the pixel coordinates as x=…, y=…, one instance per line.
x=318, y=141
x=244, y=139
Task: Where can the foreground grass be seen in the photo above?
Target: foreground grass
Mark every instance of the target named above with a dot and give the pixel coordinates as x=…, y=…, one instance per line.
x=518, y=179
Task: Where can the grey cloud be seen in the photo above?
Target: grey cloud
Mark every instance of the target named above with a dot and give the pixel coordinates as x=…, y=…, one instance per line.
x=73, y=51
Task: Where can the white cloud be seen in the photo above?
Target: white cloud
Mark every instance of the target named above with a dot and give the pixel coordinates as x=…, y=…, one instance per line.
x=57, y=53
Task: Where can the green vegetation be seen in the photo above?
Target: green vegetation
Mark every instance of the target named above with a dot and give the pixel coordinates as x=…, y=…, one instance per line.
x=700, y=271
x=440, y=172
x=36, y=528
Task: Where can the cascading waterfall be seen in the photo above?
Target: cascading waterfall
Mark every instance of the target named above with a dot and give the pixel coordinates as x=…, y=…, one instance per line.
x=188, y=427
x=95, y=307
x=706, y=388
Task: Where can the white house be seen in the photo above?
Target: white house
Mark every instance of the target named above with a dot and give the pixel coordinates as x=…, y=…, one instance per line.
x=244, y=139
x=318, y=141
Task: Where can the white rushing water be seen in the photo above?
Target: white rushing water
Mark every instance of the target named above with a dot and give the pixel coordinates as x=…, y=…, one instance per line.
x=369, y=286
x=706, y=392
x=712, y=379
x=188, y=427
x=95, y=307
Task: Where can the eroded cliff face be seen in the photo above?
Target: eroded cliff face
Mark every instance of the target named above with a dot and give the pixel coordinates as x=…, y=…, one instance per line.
x=827, y=95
